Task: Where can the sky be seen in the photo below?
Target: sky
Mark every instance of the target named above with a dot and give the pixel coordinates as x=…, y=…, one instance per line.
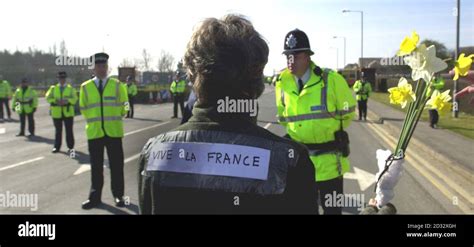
x=124, y=28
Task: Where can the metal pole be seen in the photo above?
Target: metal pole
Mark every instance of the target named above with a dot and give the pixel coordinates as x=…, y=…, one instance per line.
x=344, y=52
x=456, y=55
x=362, y=34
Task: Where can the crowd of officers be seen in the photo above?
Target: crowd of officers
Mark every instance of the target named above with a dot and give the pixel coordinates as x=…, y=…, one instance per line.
x=301, y=169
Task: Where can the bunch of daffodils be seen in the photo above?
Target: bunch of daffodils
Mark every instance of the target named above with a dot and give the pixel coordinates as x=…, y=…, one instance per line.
x=424, y=64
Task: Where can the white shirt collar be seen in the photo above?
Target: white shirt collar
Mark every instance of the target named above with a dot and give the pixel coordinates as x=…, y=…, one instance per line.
x=305, y=77
x=96, y=80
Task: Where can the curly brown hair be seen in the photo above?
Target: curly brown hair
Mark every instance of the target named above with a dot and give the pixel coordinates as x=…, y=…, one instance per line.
x=226, y=57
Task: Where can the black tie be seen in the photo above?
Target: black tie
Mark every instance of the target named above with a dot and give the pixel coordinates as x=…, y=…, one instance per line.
x=300, y=85
x=100, y=87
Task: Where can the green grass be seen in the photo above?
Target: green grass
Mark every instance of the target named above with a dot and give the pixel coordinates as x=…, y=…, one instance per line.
x=463, y=125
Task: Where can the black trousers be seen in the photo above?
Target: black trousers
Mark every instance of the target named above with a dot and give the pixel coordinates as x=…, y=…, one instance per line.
x=31, y=123
x=326, y=191
x=58, y=125
x=362, y=105
x=130, y=102
x=434, y=116
x=178, y=99
x=4, y=101
x=115, y=155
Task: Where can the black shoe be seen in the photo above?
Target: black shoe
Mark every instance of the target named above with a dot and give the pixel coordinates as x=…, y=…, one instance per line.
x=20, y=134
x=90, y=204
x=31, y=135
x=55, y=150
x=174, y=117
x=119, y=202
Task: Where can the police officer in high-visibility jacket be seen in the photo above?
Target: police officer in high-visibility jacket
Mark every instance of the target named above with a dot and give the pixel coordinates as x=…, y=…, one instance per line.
x=362, y=88
x=177, y=89
x=316, y=105
x=5, y=96
x=62, y=97
x=104, y=102
x=25, y=102
x=132, y=92
x=437, y=84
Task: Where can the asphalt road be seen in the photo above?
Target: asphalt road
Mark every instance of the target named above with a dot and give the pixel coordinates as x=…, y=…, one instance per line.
x=27, y=166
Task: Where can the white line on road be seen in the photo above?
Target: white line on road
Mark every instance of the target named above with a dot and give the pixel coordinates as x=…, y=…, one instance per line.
x=146, y=128
x=21, y=163
x=87, y=167
x=267, y=125
x=3, y=130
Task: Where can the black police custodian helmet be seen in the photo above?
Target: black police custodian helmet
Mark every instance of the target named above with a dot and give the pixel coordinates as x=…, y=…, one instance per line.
x=101, y=58
x=296, y=41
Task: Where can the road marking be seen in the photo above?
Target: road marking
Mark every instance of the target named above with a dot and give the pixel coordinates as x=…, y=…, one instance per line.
x=146, y=128
x=364, y=178
x=3, y=130
x=21, y=163
x=267, y=125
x=87, y=167
x=418, y=164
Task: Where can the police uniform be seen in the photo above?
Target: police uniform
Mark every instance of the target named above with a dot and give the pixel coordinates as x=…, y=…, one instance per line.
x=177, y=88
x=362, y=88
x=103, y=104
x=132, y=92
x=437, y=85
x=5, y=95
x=62, y=99
x=315, y=109
x=224, y=164
x=25, y=102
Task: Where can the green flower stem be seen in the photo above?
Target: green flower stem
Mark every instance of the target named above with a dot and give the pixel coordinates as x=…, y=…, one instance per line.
x=420, y=105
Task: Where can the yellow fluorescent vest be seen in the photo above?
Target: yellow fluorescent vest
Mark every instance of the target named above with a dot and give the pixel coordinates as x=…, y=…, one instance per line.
x=315, y=114
x=103, y=113
x=54, y=96
x=24, y=103
x=132, y=89
x=362, y=90
x=178, y=87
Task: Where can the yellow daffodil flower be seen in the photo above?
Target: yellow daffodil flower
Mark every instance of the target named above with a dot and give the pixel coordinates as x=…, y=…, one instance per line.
x=402, y=94
x=440, y=101
x=409, y=44
x=462, y=66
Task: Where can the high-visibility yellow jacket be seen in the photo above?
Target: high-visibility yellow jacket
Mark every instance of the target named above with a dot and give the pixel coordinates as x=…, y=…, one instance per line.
x=132, y=89
x=178, y=87
x=24, y=102
x=362, y=90
x=5, y=89
x=68, y=96
x=313, y=115
x=103, y=113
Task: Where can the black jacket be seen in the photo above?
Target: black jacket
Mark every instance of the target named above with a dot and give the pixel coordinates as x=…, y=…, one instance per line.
x=288, y=188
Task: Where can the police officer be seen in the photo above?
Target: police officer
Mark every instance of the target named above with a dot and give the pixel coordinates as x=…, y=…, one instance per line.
x=436, y=85
x=132, y=92
x=5, y=96
x=316, y=105
x=221, y=162
x=362, y=88
x=177, y=89
x=103, y=103
x=62, y=97
x=25, y=102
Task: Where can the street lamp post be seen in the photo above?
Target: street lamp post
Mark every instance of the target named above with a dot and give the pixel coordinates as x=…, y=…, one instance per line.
x=361, y=30
x=344, y=38
x=456, y=55
x=337, y=57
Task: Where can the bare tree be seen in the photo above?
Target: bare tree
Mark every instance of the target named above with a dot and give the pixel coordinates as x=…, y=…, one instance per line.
x=127, y=63
x=62, y=48
x=146, y=60
x=165, y=62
